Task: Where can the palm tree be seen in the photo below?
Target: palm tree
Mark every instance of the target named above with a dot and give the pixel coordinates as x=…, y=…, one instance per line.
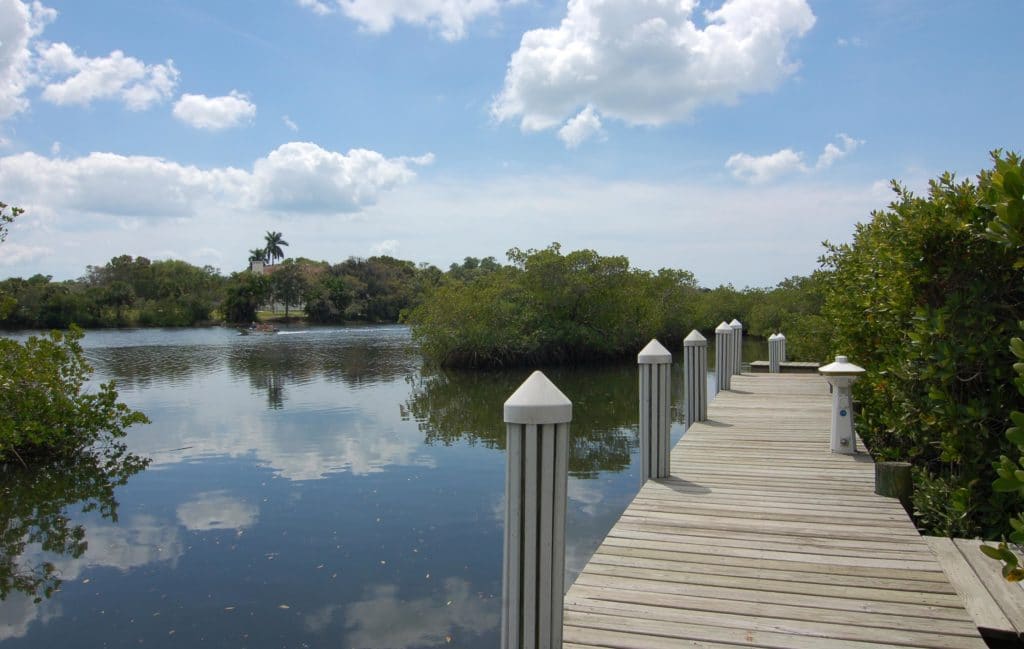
x=258, y=254
x=273, y=248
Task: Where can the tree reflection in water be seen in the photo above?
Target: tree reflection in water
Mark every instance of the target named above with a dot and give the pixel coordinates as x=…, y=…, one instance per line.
x=34, y=516
x=451, y=406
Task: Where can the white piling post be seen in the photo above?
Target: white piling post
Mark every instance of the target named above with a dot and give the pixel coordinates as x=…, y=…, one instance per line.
x=782, y=352
x=655, y=415
x=774, y=352
x=737, y=346
x=723, y=357
x=537, y=416
x=695, y=371
x=842, y=374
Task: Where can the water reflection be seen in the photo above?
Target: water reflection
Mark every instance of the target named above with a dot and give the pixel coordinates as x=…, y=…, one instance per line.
x=216, y=510
x=39, y=541
x=383, y=619
x=451, y=406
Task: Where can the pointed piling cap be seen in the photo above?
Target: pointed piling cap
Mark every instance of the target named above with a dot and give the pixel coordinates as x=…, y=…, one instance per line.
x=781, y=336
x=695, y=339
x=724, y=328
x=538, y=401
x=653, y=354
x=773, y=337
x=842, y=367
x=736, y=324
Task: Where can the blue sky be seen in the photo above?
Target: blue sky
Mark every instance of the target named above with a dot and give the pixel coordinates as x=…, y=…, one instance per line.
x=726, y=138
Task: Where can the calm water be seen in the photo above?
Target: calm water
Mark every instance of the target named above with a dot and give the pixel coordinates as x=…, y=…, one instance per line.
x=316, y=488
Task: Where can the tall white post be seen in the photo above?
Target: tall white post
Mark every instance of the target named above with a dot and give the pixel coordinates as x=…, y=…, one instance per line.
x=655, y=415
x=723, y=357
x=695, y=371
x=536, y=480
x=841, y=375
x=774, y=353
x=782, y=353
x=737, y=346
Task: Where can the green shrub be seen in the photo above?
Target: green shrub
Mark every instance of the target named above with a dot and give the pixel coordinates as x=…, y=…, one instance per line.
x=44, y=411
x=928, y=304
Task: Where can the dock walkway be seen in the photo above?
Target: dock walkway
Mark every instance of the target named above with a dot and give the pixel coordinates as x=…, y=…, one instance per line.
x=763, y=538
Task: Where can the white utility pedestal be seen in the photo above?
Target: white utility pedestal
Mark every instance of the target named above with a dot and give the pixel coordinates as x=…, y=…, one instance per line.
x=841, y=375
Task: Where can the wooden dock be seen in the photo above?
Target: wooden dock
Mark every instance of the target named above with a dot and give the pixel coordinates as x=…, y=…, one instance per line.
x=763, y=538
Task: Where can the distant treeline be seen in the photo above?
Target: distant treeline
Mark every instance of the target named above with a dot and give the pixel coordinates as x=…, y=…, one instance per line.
x=135, y=291
x=550, y=307
x=541, y=306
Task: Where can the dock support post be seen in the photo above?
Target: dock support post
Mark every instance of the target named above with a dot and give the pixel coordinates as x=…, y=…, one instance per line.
x=782, y=353
x=537, y=417
x=737, y=346
x=695, y=373
x=723, y=357
x=655, y=415
x=774, y=353
x=893, y=479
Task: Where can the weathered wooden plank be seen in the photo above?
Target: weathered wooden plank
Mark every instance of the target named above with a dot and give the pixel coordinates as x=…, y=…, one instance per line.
x=723, y=546
x=741, y=597
x=979, y=603
x=761, y=537
x=747, y=636
x=952, y=636
x=1008, y=596
x=685, y=603
x=765, y=583
x=795, y=575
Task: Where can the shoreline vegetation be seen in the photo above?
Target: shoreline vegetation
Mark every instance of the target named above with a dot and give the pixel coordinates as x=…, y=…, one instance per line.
x=542, y=306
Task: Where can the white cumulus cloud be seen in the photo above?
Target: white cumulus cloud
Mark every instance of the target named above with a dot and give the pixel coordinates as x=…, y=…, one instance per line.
x=215, y=113
x=833, y=152
x=581, y=128
x=317, y=7
x=19, y=23
x=448, y=17
x=648, y=61
x=108, y=183
x=296, y=177
x=74, y=79
x=303, y=177
x=759, y=169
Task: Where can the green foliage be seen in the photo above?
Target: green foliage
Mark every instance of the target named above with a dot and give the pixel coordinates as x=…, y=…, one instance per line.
x=287, y=284
x=245, y=293
x=550, y=307
x=377, y=289
x=272, y=249
x=126, y=291
x=553, y=307
x=44, y=411
x=927, y=303
x=7, y=215
x=1005, y=198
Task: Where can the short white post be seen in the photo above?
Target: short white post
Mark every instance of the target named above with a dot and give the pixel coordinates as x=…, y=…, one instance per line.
x=841, y=375
x=737, y=346
x=695, y=371
x=774, y=352
x=723, y=357
x=655, y=415
x=537, y=416
x=782, y=353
